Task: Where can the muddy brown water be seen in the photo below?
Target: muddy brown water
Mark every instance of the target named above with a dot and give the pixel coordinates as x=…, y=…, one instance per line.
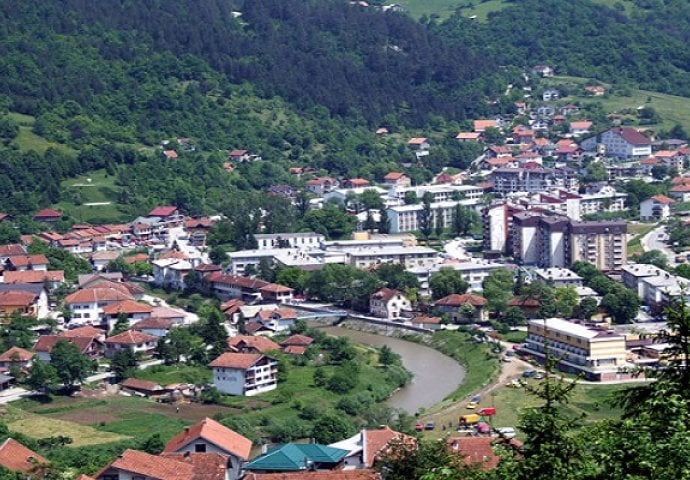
x=435, y=375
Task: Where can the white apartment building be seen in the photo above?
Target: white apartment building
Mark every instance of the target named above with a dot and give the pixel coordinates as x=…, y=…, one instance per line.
x=245, y=374
x=439, y=193
x=473, y=271
x=406, y=218
x=605, y=200
x=620, y=142
x=598, y=353
x=409, y=257
x=303, y=240
x=633, y=274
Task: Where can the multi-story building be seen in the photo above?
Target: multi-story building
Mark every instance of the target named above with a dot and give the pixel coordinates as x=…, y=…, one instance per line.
x=407, y=256
x=408, y=218
x=620, y=142
x=597, y=353
x=559, y=277
x=603, y=244
x=531, y=180
x=473, y=271
x=439, y=193
x=605, y=200
x=244, y=374
x=301, y=240
x=557, y=241
x=633, y=274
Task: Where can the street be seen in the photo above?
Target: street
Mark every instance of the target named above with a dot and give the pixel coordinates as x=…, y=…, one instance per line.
x=656, y=240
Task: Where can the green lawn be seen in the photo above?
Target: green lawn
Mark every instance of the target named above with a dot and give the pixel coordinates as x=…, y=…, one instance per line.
x=589, y=401
x=169, y=374
x=515, y=336
x=97, y=188
x=640, y=230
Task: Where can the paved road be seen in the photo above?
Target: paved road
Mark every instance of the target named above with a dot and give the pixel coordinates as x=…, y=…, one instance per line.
x=656, y=240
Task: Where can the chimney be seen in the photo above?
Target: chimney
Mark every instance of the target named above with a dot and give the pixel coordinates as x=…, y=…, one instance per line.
x=264, y=448
x=186, y=429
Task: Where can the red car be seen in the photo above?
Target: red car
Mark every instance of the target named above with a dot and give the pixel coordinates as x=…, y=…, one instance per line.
x=419, y=426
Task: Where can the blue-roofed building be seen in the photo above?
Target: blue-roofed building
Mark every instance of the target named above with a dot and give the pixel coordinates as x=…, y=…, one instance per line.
x=293, y=457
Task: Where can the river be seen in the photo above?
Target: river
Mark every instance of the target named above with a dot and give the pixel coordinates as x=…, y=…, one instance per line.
x=435, y=374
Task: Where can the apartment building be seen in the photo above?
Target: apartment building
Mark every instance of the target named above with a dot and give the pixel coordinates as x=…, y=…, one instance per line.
x=557, y=241
x=439, y=193
x=407, y=218
x=245, y=374
x=409, y=257
x=603, y=244
x=559, y=277
x=302, y=240
x=473, y=271
x=620, y=142
x=532, y=180
x=597, y=353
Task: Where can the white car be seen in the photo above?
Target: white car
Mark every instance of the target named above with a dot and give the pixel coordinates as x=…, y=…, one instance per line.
x=507, y=432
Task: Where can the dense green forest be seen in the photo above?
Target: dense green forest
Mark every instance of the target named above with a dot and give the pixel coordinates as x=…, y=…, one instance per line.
x=587, y=39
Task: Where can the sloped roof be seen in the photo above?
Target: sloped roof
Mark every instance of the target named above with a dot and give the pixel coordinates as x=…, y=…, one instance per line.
x=154, y=466
x=298, y=340
x=144, y=385
x=26, y=260
x=127, y=306
x=15, y=354
x=662, y=199
x=260, y=344
x=376, y=442
x=213, y=432
x=45, y=343
x=87, y=331
x=99, y=294
x=131, y=337
x=153, y=323
x=385, y=294
x=206, y=466
x=15, y=298
x=329, y=475
x=162, y=211
x=33, y=276
x=236, y=360
x=457, y=300
x=295, y=457
x=16, y=457
x=48, y=213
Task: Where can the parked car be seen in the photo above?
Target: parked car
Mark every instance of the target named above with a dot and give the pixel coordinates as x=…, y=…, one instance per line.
x=528, y=373
x=430, y=425
x=507, y=359
x=419, y=426
x=471, y=405
x=507, y=432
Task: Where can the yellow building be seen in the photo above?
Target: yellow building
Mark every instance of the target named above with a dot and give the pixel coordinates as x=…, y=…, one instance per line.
x=596, y=352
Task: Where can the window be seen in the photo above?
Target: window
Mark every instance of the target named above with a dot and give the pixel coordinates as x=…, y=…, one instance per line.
x=200, y=448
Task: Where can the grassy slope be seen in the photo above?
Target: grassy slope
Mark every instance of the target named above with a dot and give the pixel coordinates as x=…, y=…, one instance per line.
x=27, y=140
x=639, y=230
x=444, y=8
x=94, y=187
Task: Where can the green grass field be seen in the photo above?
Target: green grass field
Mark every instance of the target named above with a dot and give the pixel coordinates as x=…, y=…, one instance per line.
x=640, y=230
x=92, y=198
x=169, y=374
x=27, y=140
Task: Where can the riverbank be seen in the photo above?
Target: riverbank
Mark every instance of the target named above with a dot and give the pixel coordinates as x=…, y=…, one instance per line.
x=481, y=367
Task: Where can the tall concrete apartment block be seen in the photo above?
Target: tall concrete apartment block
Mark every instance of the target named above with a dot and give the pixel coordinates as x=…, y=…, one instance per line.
x=557, y=241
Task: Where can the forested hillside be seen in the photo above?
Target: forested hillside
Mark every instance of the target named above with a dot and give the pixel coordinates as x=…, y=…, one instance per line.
x=587, y=39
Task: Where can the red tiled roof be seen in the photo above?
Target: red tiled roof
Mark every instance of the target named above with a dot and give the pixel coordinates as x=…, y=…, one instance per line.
x=87, y=331
x=11, y=250
x=294, y=350
x=275, y=288
x=16, y=298
x=428, y=320
x=143, y=385
x=417, y=140
x=376, y=442
x=385, y=294
x=16, y=457
x=632, y=136
x=127, y=306
x=662, y=199
x=299, y=340
x=476, y=451
x=16, y=354
x=164, y=211
x=457, y=300
x=26, y=260
x=96, y=294
x=215, y=433
x=167, y=312
x=153, y=323
x=238, y=153
x=33, y=276
x=236, y=360
x=45, y=343
x=153, y=466
x=260, y=344
x=484, y=124
x=207, y=466
x=131, y=337
x=48, y=213
x=394, y=176
x=236, y=280
x=682, y=188
x=170, y=153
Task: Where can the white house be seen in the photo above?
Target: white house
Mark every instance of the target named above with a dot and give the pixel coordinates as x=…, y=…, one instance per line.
x=559, y=277
x=301, y=240
x=388, y=303
x=136, y=342
x=278, y=319
x=86, y=305
x=158, y=327
x=244, y=374
x=209, y=436
x=620, y=142
x=170, y=272
x=657, y=207
x=550, y=94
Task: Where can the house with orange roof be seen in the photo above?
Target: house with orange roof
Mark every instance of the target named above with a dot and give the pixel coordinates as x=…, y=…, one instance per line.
x=388, y=303
x=245, y=374
x=419, y=143
x=87, y=331
x=656, y=208
x=53, y=278
x=27, y=262
x=158, y=327
x=170, y=154
x=136, y=342
x=16, y=357
x=277, y=320
x=11, y=250
x=321, y=185
x=239, y=155
x=671, y=158
x=134, y=311
x=369, y=445
x=469, y=136
x=89, y=346
x=210, y=436
x=86, y=305
x=296, y=344
x=47, y=215
x=274, y=292
x=19, y=301
x=397, y=179
x=480, y=126
x=356, y=183
x=581, y=127
x=135, y=465
x=477, y=451
x=680, y=192
x=466, y=307
x=17, y=458
x=252, y=344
